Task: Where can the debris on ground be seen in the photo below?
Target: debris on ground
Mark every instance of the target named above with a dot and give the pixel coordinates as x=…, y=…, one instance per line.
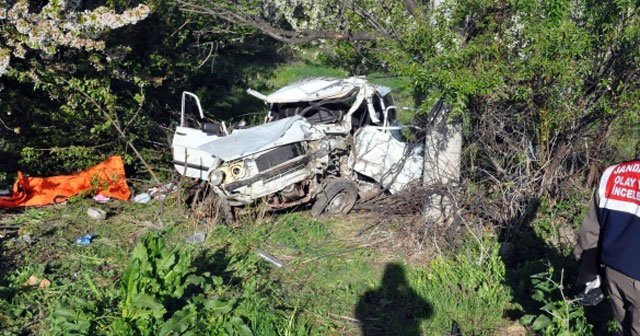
x=161, y=192
x=408, y=201
x=84, y=240
x=39, y=191
x=25, y=238
x=44, y=283
x=97, y=214
x=33, y=281
x=270, y=258
x=142, y=198
x=158, y=193
x=197, y=238
x=101, y=199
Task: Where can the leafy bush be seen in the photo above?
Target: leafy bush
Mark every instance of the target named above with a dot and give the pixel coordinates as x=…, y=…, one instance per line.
x=468, y=289
x=161, y=293
x=560, y=315
x=557, y=220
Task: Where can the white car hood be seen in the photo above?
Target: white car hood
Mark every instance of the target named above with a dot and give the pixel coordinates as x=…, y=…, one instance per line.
x=243, y=142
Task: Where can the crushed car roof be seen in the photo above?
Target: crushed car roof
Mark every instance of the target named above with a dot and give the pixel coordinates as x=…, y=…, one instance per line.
x=322, y=88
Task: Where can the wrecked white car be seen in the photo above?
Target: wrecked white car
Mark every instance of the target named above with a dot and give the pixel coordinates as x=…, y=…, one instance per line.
x=325, y=141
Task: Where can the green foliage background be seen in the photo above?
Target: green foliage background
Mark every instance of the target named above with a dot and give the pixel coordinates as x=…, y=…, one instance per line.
x=548, y=93
x=60, y=111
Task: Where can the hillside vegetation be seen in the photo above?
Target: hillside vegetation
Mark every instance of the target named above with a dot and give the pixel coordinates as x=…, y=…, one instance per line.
x=547, y=93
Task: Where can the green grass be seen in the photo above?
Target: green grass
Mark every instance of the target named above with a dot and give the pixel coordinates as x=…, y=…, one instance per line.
x=331, y=277
x=291, y=72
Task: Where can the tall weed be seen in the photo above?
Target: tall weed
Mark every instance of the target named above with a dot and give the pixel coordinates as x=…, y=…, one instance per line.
x=467, y=290
x=559, y=314
x=161, y=293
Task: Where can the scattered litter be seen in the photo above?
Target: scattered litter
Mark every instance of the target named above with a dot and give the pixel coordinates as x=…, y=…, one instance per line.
x=26, y=238
x=84, y=240
x=35, y=281
x=44, y=283
x=101, y=199
x=268, y=257
x=197, y=238
x=142, y=198
x=161, y=192
x=32, y=281
x=155, y=193
x=97, y=214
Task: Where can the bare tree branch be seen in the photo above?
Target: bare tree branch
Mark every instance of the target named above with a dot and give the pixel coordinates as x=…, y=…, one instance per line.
x=279, y=34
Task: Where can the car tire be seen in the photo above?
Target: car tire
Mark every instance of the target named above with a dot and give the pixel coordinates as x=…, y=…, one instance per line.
x=338, y=197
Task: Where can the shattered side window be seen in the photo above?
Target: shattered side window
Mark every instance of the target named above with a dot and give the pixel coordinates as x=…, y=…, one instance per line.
x=389, y=101
x=378, y=104
x=325, y=113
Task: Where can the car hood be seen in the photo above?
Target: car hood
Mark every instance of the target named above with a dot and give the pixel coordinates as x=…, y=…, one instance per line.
x=243, y=142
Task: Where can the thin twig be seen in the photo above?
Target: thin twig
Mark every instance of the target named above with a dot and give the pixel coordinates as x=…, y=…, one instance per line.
x=116, y=125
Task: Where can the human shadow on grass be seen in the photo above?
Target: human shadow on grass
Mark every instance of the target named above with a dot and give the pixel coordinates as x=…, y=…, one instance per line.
x=525, y=254
x=216, y=263
x=394, y=308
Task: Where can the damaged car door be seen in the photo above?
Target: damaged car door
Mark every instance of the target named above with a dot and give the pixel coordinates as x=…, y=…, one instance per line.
x=382, y=157
x=188, y=160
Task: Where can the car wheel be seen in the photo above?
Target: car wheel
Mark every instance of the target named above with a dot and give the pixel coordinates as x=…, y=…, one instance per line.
x=338, y=197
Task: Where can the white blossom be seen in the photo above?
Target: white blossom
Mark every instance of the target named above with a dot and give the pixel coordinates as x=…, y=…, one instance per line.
x=58, y=25
x=5, y=56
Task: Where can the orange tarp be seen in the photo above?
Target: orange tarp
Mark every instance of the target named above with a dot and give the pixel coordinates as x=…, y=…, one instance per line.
x=106, y=178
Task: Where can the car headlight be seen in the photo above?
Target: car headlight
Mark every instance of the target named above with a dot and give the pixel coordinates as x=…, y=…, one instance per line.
x=237, y=171
x=216, y=177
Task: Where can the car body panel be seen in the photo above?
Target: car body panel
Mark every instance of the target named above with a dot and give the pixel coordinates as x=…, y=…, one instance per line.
x=188, y=160
x=378, y=155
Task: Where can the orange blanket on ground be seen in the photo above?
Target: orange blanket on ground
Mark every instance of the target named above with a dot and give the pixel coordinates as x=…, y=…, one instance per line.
x=106, y=178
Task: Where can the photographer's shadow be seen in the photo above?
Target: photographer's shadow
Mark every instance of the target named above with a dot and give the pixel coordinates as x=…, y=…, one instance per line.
x=392, y=309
